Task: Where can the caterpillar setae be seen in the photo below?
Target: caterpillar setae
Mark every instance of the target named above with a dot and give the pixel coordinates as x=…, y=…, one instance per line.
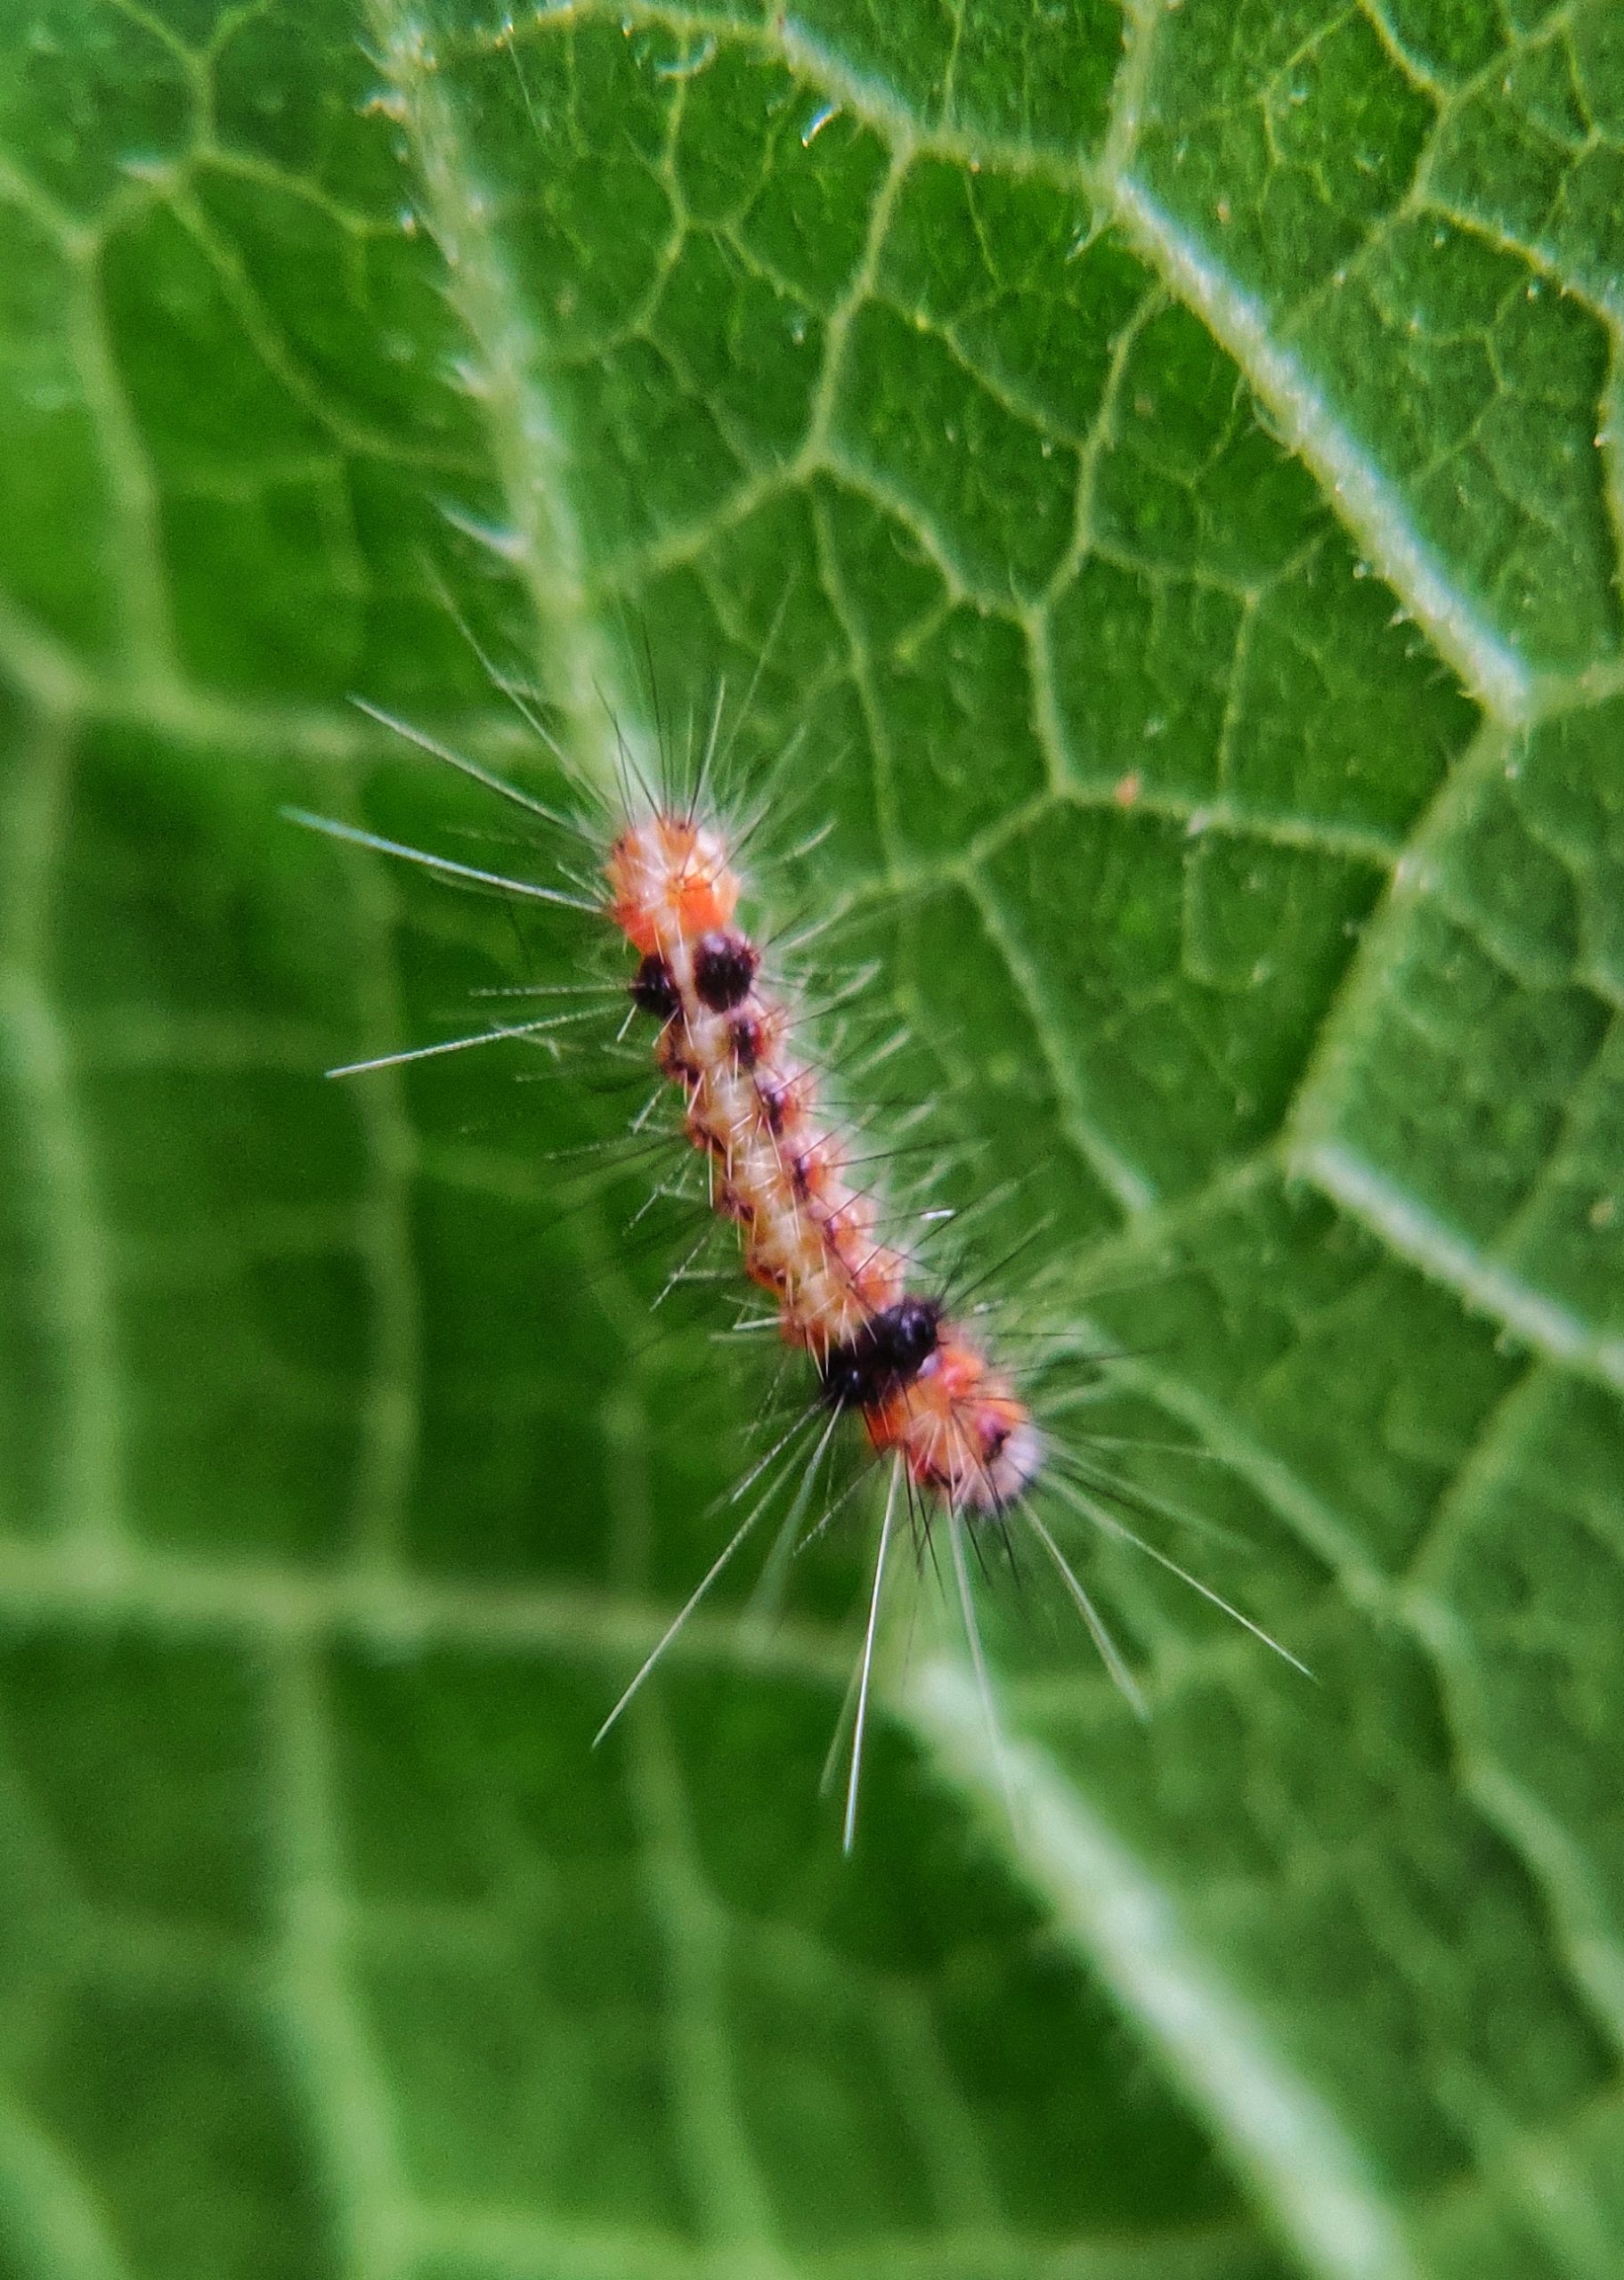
x=885, y=1350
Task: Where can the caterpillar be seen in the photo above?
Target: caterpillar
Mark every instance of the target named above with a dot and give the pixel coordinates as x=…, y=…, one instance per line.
x=886, y=1351
x=919, y=1383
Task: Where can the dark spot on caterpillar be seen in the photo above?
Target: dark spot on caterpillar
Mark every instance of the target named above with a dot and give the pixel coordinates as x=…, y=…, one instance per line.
x=744, y=1036
x=653, y=990
x=886, y=1355
x=723, y=967
x=674, y=1061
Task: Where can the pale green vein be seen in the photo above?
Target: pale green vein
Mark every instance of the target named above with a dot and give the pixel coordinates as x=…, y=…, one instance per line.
x=1130, y=86
x=1104, y=431
x=40, y=666
x=386, y=1457
x=1325, y=1530
x=883, y=758
x=1583, y=1909
x=135, y=566
x=1406, y=1224
x=55, y=2227
x=519, y=2242
x=1131, y=1187
x=1541, y=2175
x=939, y=2119
x=515, y=2245
x=529, y=452
x=872, y=484
x=1370, y=505
x=343, y=2082
x=1304, y=2168
x=725, y=2181
x=266, y=339
x=1319, y=1148
x=73, y=1296
x=249, y=1602
x=728, y=2186
x=1410, y=64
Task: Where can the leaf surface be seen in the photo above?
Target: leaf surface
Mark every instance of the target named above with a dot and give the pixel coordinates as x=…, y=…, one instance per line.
x=1177, y=451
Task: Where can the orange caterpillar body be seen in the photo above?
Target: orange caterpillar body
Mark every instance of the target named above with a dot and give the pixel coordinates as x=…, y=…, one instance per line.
x=924, y=1389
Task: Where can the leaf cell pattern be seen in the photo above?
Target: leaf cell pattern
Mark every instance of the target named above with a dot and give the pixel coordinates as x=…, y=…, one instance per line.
x=1183, y=443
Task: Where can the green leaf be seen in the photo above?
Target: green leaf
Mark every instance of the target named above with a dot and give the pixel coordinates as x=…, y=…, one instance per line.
x=1177, y=450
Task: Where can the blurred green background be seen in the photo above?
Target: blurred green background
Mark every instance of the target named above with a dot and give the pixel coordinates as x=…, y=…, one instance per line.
x=1186, y=437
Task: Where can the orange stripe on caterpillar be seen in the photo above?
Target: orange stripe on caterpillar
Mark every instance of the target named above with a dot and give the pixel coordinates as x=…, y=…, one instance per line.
x=670, y=882
x=960, y=1428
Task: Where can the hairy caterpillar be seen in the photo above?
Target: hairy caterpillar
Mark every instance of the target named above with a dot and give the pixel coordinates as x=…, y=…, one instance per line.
x=886, y=1351
x=920, y=1385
